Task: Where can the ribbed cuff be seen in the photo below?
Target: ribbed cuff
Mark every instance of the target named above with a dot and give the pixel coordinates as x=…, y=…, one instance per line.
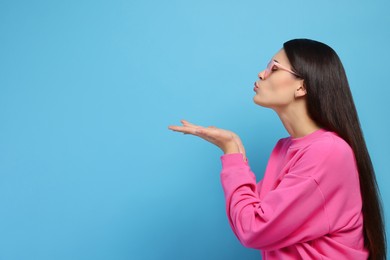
x=232, y=160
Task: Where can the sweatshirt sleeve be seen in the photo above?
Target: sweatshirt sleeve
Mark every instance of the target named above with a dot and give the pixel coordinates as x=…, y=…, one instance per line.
x=293, y=212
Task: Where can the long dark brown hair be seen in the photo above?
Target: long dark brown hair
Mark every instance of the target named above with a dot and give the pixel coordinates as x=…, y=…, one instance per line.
x=330, y=104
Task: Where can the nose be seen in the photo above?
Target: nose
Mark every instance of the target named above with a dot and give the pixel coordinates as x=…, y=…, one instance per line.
x=261, y=75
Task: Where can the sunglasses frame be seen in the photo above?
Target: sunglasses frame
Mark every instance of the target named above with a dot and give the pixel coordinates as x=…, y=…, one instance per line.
x=270, y=66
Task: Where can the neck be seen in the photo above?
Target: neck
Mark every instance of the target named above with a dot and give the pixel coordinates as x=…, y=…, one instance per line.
x=297, y=123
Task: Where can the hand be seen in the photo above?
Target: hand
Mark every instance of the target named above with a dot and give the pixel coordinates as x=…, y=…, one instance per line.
x=226, y=140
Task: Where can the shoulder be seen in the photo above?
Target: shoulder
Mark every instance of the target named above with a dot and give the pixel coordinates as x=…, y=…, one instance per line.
x=321, y=143
x=327, y=153
x=329, y=142
x=330, y=147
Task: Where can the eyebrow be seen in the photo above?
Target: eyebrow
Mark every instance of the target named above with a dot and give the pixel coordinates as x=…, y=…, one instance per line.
x=276, y=61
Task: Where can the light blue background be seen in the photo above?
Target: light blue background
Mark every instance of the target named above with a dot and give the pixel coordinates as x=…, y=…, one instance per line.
x=88, y=169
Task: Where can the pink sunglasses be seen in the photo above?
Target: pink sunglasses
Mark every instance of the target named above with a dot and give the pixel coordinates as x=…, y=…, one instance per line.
x=271, y=68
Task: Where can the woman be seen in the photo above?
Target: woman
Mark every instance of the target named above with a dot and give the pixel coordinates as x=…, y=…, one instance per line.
x=318, y=198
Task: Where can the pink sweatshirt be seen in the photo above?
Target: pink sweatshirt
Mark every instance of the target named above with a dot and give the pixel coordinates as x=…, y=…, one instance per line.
x=308, y=206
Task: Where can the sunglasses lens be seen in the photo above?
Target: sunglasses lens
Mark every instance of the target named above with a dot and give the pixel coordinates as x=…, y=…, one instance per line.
x=268, y=69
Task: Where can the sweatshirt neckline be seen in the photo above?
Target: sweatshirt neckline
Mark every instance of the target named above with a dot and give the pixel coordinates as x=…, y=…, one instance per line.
x=306, y=139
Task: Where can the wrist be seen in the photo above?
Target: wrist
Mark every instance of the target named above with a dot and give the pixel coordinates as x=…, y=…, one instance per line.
x=231, y=148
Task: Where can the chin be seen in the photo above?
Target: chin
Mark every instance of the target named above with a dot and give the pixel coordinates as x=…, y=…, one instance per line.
x=258, y=101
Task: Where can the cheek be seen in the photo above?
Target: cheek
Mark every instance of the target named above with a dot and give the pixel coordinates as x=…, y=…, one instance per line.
x=275, y=93
x=282, y=88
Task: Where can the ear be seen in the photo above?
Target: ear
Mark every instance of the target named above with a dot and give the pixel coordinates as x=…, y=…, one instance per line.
x=301, y=91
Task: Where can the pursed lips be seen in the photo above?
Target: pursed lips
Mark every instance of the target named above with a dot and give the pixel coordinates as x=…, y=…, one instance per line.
x=256, y=87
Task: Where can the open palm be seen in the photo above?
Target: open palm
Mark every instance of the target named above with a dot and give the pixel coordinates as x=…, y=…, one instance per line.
x=226, y=140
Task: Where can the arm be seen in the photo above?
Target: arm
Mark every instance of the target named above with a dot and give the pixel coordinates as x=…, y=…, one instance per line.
x=278, y=219
x=294, y=212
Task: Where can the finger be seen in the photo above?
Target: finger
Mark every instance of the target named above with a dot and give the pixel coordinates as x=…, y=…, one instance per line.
x=208, y=133
x=193, y=126
x=186, y=123
x=176, y=128
x=180, y=128
x=184, y=129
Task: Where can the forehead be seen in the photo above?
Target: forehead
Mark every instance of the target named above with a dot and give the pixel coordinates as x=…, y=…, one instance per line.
x=281, y=57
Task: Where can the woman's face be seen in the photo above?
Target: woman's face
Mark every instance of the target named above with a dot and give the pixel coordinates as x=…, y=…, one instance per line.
x=280, y=88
